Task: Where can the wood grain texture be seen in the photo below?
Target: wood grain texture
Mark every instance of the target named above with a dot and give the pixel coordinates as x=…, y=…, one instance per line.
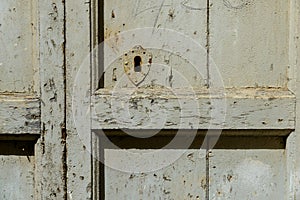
x=163, y=109
x=19, y=114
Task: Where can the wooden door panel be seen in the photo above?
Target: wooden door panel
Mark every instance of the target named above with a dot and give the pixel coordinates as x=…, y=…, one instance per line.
x=149, y=24
x=249, y=42
x=247, y=174
x=19, y=46
x=155, y=174
x=32, y=40
x=252, y=47
x=17, y=177
x=17, y=167
x=20, y=112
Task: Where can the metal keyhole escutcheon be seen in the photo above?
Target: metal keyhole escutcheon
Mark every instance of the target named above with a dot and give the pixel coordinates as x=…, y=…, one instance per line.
x=137, y=63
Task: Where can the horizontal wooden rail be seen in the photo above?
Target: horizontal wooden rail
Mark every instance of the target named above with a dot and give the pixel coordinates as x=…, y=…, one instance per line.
x=158, y=108
x=19, y=114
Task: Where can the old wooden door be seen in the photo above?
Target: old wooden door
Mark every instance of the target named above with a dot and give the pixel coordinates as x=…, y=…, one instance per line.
x=149, y=99
x=185, y=99
x=32, y=100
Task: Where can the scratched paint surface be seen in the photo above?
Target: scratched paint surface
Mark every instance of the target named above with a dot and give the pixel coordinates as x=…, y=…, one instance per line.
x=173, y=14
x=182, y=178
x=186, y=61
x=18, y=46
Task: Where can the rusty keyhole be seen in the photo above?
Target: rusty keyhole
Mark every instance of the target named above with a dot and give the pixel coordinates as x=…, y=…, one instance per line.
x=137, y=64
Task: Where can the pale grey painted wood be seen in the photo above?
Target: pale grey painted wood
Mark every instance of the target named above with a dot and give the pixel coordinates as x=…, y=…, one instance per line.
x=19, y=114
x=181, y=178
x=97, y=183
x=51, y=149
x=293, y=45
x=247, y=174
x=38, y=154
x=18, y=41
x=296, y=159
x=167, y=69
x=168, y=14
x=158, y=109
x=79, y=159
x=291, y=163
x=249, y=42
x=293, y=149
x=260, y=109
x=164, y=28
x=249, y=102
x=16, y=177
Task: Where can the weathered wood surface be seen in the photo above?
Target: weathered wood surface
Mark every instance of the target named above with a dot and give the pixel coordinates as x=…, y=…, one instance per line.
x=294, y=42
x=51, y=147
x=291, y=165
x=17, y=177
x=249, y=42
x=169, y=69
x=169, y=14
x=294, y=85
x=256, y=25
x=179, y=109
x=176, y=174
x=163, y=28
x=79, y=160
x=18, y=41
x=247, y=174
x=19, y=114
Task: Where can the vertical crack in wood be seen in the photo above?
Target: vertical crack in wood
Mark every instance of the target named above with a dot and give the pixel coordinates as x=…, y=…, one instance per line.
x=63, y=127
x=207, y=169
x=208, y=42
x=208, y=86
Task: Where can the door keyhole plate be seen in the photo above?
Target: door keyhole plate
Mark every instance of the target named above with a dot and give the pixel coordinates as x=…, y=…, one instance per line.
x=137, y=64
